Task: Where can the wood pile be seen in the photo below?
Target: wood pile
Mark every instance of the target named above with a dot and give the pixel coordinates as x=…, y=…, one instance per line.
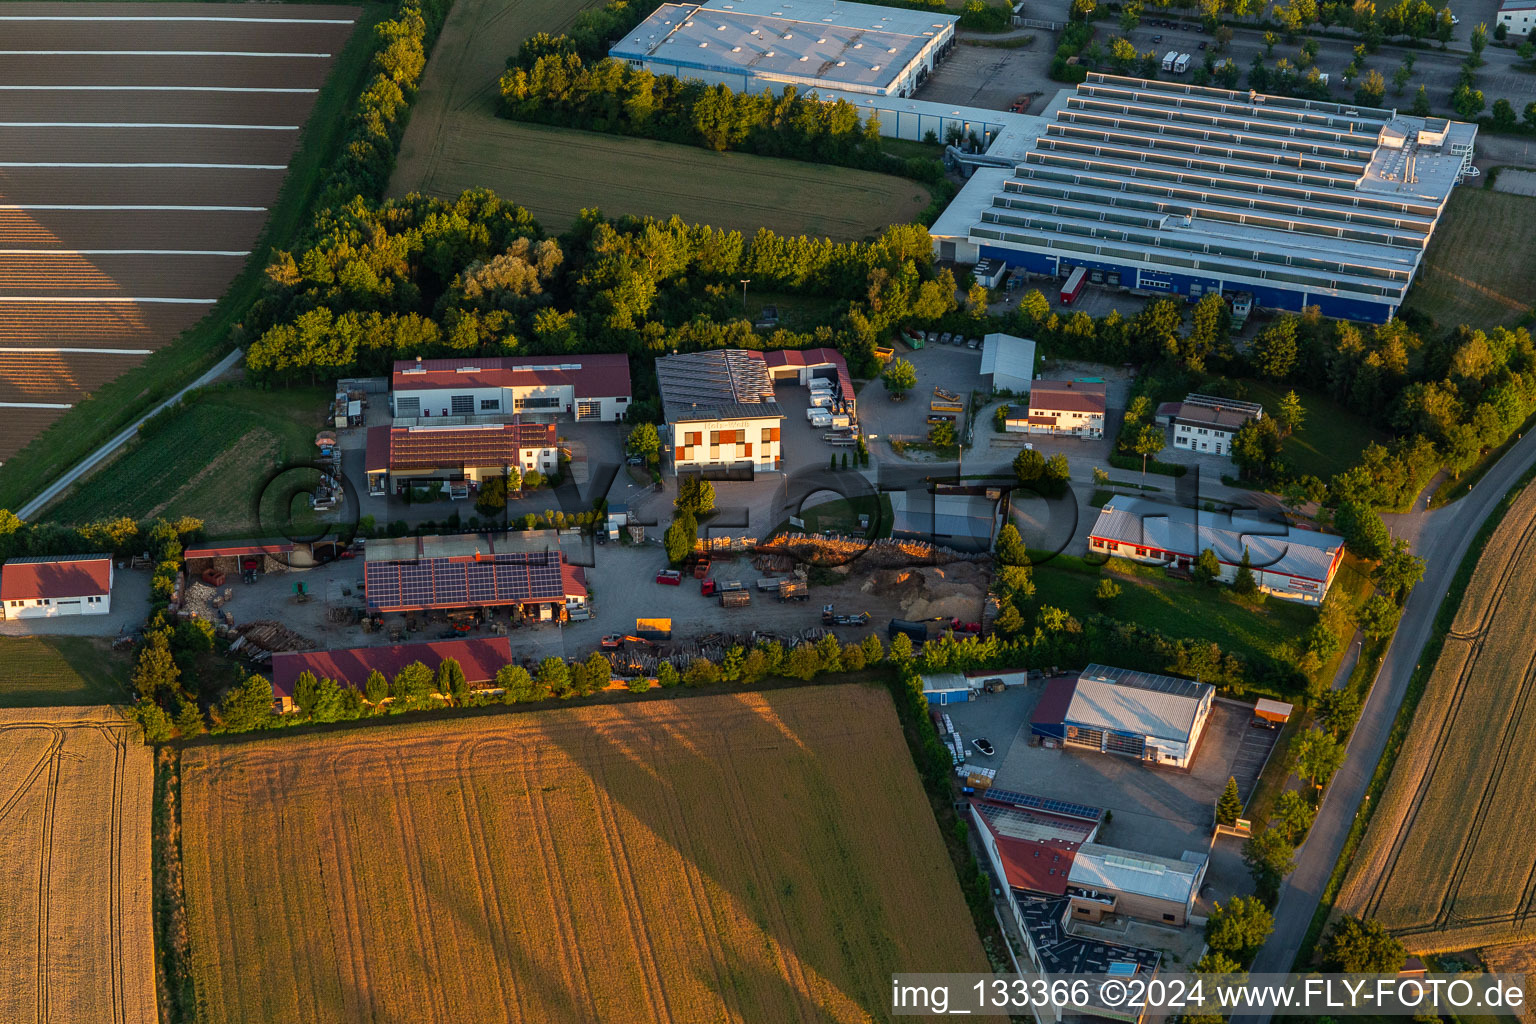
x=885, y=552
x=258, y=641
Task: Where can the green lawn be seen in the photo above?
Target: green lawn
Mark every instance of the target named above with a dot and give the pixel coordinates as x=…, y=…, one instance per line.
x=1477, y=269
x=1174, y=607
x=842, y=515
x=37, y=672
x=1329, y=440
x=210, y=460
x=114, y=406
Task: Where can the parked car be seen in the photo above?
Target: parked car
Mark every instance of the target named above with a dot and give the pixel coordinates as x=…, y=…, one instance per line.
x=670, y=577
x=972, y=343
x=1202, y=44
x=1157, y=38
x=946, y=338
x=983, y=747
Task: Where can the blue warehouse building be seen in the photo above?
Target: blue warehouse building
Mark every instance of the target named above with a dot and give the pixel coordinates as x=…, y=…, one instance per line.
x=1167, y=188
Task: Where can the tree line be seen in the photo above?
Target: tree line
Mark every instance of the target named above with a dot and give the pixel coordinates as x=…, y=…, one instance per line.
x=1449, y=396
x=418, y=276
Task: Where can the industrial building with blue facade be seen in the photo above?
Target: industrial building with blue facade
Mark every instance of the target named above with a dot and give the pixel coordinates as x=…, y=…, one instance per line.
x=1167, y=188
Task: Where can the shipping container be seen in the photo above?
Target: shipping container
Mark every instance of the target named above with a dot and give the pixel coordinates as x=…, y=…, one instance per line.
x=654, y=629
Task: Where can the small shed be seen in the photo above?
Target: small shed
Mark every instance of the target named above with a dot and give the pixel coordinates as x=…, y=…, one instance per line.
x=948, y=688
x=1009, y=361
x=1274, y=713
x=989, y=273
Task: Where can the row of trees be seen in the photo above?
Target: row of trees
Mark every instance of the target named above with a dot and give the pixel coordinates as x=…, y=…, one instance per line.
x=610, y=96
x=422, y=277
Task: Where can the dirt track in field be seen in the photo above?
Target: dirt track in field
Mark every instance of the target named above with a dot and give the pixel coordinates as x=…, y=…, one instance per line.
x=734, y=858
x=75, y=900
x=209, y=105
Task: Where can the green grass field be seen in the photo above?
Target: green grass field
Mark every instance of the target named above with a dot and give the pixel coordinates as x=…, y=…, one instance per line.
x=210, y=461
x=113, y=407
x=1174, y=607
x=1478, y=267
x=1331, y=438
x=39, y=672
x=556, y=172
x=455, y=141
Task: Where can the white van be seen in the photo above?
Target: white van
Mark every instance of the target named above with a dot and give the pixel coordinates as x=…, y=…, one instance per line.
x=821, y=402
x=820, y=418
x=820, y=384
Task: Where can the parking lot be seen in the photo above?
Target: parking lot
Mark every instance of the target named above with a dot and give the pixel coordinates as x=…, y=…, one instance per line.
x=954, y=368
x=1152, y=810
x=993, y=77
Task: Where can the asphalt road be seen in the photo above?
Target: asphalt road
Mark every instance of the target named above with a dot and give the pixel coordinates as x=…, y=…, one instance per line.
x=1441, y=538
x=94, y=459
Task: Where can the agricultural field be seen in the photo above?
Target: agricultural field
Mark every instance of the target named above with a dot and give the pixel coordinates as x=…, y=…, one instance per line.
x=743, y=857
x=1448, y=862
x=455, y=142
x=1478, y=267
x=557, y=172
x=75, y=914
x=209, y=460
x=126, y=212
x=44, y=671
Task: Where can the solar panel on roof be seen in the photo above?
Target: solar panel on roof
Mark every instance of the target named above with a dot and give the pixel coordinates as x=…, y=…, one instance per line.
x=1064, y=807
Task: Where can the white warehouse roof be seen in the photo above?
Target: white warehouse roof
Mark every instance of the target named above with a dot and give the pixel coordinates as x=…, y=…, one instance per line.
x=1139, y=703
x=1143, y=874
x=1008, y=356
x=1272, y=546
x=853, y=45
x=1222, y=184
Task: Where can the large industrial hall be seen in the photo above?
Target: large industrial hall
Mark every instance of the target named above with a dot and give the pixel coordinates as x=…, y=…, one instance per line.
x=1161, y=187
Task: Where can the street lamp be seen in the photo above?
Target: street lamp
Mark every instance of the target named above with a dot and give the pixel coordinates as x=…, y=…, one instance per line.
x=744, y=283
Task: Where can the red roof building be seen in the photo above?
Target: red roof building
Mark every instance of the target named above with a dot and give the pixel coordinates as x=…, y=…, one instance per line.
x=806, y=364
x=469, y=453
x=51, y=586
x=586, y=387
x=1035, y=847
x=480, y=659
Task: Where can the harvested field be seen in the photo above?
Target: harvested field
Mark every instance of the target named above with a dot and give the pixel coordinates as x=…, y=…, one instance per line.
x=455, y=142
x=146, y=142
x=746, y=857
x=1449, y=861
x=1514, y=960
x=75, y=914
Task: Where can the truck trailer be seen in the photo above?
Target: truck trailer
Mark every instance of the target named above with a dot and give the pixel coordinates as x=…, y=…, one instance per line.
x=1169, y=58
x=735, y=598
x=1182, y=64
x=653, y=629
x=1074, y=286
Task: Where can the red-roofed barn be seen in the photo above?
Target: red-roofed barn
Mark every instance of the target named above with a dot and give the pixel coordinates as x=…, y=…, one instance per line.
x=480, y=658
x=47, y=587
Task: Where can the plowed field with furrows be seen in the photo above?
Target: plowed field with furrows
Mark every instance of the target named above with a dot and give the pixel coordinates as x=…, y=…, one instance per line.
x=298, y=72
x=135, y=186
x=737, y=858
x=68, y=274
x=131, y=229
x=75, y=925
x=143, y=145
x=37, y=324
x=159, y=107
x=1449, y=861
x=46, y=377
x=287, y=29
x=138, y=84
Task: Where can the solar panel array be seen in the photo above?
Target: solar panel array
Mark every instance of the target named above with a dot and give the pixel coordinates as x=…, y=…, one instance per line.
x=511, y=578
x=1040, y=803
x=1145, y=681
